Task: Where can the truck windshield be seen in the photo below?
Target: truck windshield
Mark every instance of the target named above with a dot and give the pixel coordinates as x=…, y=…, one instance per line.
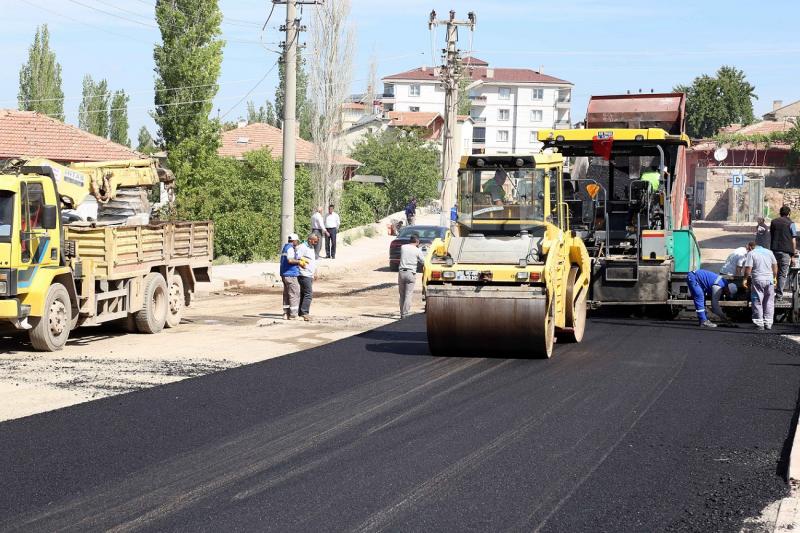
x=513, y=195
x=6, y=215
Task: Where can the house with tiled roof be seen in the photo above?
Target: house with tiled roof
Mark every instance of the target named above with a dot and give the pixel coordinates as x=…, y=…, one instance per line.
x=247, y=138
x=28, y=133
x=786, y=113
x=508, y=105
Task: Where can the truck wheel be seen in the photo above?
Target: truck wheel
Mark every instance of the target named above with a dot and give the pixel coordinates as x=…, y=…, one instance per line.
x=575, y=319
x=153, y=315
x=176, y=301
x=51, y=331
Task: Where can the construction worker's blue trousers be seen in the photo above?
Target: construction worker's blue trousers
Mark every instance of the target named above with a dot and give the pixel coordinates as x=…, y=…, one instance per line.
x=698, y=295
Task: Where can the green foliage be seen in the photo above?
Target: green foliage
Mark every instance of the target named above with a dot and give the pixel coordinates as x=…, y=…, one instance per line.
x=408, y=163
x=188, y=63
x=243, y=200
x=145, y=142
x=189, y=158
x=303, y=108
x=40, y=79
x=713, y=102
x=93, y=111
x=118, y=118
x=464, y=103
x=264, y=114
x=363, y=203
x=793, y=138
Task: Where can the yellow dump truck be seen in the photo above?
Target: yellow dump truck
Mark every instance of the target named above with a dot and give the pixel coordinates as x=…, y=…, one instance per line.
x=513, y=277
x=57, y=275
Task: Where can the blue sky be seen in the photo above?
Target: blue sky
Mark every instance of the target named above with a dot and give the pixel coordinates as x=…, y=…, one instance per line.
x=601, y=46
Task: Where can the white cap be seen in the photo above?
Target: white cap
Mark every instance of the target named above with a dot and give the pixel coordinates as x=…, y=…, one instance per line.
x=293, y=237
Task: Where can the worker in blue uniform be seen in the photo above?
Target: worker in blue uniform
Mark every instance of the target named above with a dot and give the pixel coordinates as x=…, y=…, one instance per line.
x=705, y=283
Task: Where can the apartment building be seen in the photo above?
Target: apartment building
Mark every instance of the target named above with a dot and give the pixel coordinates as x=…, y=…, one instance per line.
x=508, y=105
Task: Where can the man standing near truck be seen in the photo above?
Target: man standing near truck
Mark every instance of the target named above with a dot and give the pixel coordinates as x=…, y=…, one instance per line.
x=761, y=267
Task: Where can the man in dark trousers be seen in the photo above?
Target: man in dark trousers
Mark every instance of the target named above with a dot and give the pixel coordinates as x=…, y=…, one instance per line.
x=411, y=212
x=782, y=233
x=332, y=223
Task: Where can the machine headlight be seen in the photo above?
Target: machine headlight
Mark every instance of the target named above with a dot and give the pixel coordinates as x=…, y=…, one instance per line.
x=522, y=276
x=449, y=274
x=3, y=287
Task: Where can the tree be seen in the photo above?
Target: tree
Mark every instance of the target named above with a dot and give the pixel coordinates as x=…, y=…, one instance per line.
x=264, y=114
x=464, y=103
x=188, y=63
x=40, y=78
x=118, y=128
x=332, y=45
x=303, y=111
x=408, y=164
x=145, y=142
x=93, y=110
x=716, y=101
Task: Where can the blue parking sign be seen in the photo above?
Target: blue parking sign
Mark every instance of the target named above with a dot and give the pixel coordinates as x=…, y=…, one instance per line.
x=737, y=180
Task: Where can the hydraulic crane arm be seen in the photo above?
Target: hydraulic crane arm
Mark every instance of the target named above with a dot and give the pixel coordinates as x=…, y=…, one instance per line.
x=101, y=180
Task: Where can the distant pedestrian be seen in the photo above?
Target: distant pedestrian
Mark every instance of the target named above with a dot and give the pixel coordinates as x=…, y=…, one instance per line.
x=762, y=233
x=332, y=222
x=411, y=212
x=735, y=262
x=454, y=219
x=703, y=283
x=290, y=270
x=318, y=228
x=782, y=233
x=308, y=272
x=410, y=258
x=761, y=268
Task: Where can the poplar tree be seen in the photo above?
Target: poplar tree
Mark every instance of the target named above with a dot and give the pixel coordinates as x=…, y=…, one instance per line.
x=40, y=78
x=118, y=115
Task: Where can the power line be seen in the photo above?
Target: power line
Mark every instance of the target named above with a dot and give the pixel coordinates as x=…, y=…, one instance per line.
x=101, y=28
x=234, y=106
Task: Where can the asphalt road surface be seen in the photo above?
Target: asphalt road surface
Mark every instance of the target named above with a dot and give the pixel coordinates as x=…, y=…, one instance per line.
x=645, y=426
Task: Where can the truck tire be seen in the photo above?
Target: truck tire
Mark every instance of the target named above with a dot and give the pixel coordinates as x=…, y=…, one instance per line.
x=51, y=331
x=153, y=315
x=176, y=301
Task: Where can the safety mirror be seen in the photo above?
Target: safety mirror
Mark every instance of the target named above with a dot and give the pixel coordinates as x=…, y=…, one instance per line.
x=50, y=217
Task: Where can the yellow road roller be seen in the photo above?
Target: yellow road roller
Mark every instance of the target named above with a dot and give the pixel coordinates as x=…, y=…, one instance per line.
x=510, y=278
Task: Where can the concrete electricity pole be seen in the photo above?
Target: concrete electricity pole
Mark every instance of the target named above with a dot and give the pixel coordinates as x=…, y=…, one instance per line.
x=292, y=29
x=450, y=74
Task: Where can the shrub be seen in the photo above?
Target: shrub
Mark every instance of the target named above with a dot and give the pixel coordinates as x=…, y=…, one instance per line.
x=243, y=236
x=362, y=204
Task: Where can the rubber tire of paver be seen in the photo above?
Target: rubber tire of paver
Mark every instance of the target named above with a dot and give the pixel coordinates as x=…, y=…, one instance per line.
x=153, y=315
x=175, y=302
x=41, y=335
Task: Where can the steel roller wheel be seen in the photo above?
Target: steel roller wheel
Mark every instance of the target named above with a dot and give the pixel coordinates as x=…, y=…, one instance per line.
x=575, y=314
x=486, y=323
x=176, y=301
x=51, y=331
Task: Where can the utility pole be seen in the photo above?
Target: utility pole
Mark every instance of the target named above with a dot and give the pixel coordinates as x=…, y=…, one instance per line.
x=292, y=29
x=450, y=75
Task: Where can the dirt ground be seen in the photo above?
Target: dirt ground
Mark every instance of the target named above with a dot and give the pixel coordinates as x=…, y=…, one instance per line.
x=235, y=320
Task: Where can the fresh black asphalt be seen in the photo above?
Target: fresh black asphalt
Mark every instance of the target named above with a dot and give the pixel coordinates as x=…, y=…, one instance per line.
x=645, y=426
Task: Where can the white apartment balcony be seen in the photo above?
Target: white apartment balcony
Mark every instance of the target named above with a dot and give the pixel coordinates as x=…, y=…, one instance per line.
x=562, y=125
x=478, y=120
x=478, y=142
x=478, y=100
x=564, y=99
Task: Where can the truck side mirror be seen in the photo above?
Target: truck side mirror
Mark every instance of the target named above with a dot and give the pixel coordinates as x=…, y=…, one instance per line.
x=50, y=217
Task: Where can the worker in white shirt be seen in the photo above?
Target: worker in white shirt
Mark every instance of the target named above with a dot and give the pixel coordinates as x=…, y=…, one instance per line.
x=318, y=229
x=410, y=258
x=308, y=272
x=761, y=273
x=332, y=222
x=734, y=263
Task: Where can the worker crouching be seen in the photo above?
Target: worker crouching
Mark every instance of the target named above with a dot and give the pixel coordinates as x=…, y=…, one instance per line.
x=704, y=283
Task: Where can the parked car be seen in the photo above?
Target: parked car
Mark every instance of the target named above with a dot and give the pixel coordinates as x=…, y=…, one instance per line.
x=426, y=236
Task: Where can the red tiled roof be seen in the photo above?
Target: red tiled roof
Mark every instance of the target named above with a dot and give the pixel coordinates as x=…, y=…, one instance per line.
x=507, y=75
x=239, y=141
x=763, y=127
x=419, y=119
x=353, y=105
x=474, y=61
x=27, y=133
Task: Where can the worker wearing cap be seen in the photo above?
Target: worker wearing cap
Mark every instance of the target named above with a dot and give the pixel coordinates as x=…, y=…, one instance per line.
x=410, y=258
x=308, y=273
x=761, y=273
x=290, y=270
x=703, y=283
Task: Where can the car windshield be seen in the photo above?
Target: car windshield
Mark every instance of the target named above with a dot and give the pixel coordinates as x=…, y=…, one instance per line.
x=6, y=214
x=420, y=231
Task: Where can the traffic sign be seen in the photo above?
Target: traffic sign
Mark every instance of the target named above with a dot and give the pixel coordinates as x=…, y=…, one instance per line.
x=737, y=180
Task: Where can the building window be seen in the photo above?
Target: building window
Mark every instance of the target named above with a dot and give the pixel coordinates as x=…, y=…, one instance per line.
x=537, y=94
x=534, y=136
x=388, y=90
x=414, y=108
x=413, y=89
x=503, y=114
x=536, y=115
x=504, y=93
x=502, y=136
